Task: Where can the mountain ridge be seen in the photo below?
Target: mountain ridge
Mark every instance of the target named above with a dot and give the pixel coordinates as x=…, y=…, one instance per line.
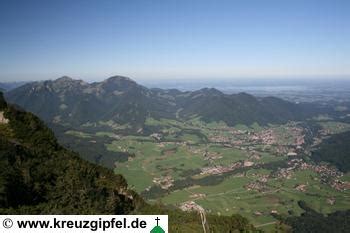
x=124, y=101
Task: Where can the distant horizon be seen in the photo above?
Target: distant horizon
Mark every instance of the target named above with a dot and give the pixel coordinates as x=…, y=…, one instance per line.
x=171, y=78
x=184, y=79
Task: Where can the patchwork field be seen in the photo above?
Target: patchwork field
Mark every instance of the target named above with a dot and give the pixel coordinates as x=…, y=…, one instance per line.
x=256, y=171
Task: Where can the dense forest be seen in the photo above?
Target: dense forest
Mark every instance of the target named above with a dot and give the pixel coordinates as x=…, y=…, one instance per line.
x=313, y=222
x=40, y=176
x=335, y=150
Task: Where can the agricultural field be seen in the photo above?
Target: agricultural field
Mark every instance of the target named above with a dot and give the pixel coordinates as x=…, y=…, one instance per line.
x=256, y=171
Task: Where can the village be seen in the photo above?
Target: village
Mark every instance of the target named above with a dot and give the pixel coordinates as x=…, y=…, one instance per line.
x=288, y=142
x=235, y=167
x=227, y=135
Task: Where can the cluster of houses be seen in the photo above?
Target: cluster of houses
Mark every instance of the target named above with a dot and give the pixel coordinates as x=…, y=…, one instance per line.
x=301, y=187
x=270, y=136
x=256, y=186
x=164, y=182
x=191, y=206
x=219, y=169
x=340, y=185
x=328, y=174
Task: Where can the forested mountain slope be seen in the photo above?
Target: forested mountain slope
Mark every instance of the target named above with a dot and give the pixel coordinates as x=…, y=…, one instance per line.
x=122, y=100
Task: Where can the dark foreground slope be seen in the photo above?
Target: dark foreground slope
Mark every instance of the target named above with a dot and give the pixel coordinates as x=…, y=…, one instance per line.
x=38, y=176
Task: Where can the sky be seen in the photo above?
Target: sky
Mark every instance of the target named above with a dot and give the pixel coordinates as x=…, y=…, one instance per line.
x=174, y=39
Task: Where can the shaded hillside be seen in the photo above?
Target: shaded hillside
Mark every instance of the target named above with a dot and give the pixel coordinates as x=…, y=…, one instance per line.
x=313, y=222
x=38, y=176
x=75, y=102
x=241, y=108
x=335, y=150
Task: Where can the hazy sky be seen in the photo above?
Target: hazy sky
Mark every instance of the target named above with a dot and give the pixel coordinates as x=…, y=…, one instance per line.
x=173, y=38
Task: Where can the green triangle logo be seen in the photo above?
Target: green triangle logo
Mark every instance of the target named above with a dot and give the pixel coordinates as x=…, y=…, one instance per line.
x=157, y=229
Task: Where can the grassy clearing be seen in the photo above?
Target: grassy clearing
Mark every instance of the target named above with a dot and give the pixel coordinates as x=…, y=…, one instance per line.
x=78, y=134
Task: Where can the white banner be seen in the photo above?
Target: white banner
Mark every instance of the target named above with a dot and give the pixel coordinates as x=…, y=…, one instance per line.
x=83, y=223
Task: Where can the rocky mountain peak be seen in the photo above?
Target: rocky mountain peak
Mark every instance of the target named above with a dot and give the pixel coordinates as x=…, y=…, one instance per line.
x=119, y=79
x=64, y=79
x=118, y=83
x=212, y=91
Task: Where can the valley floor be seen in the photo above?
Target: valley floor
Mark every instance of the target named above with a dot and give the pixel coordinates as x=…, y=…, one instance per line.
x=255, y=171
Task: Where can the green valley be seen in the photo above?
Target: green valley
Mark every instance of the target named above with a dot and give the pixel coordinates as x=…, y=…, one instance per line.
x=256, y=171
